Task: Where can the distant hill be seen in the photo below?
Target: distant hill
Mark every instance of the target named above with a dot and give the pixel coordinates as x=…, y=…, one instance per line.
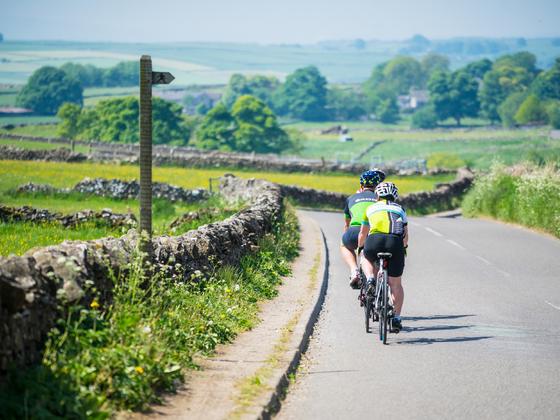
x=342, y=61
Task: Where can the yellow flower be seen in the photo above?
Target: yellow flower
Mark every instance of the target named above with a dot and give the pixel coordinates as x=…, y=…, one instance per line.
x=94, y=304
x=139, y=369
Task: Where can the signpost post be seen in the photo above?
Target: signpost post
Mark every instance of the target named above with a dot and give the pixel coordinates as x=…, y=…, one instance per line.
x=147, y=79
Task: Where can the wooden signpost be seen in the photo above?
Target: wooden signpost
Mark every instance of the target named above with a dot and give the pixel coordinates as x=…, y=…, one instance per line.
x=147, y=79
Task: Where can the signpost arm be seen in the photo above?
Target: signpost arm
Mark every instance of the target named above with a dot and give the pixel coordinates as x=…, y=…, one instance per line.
x=146, y=145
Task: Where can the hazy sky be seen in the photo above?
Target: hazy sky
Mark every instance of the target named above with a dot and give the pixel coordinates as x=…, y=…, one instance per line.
x=274, y=21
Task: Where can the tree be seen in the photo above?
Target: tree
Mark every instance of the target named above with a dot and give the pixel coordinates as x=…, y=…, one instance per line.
x=262, y=87
x=116, y=120
x=547, y=84
x=47, y=89
x=403, y=73
x=304, y=95
x=479, y=68
x=553, y=111
x=88, y=75
x=523, y=59
x=531, y=111
x=216, y=130
x=345, y=104
x=454, y=95
x=508, y=108
x=69, y=116
x=418, y=43
x=251, y=126
x=498, y=84
x=433, y=62
x=425, y=118
x=257, y=127
x=125, y=73
x=388, y=111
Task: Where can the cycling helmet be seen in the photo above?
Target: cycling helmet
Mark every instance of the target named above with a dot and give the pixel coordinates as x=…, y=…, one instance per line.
x=386, y=189
x=372, y=177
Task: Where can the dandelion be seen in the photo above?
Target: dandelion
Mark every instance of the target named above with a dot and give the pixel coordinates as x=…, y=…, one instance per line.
x=139, y=370
x=94, y=304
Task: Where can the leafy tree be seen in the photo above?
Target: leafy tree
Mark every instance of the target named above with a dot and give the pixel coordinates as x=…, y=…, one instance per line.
x=251, y=126
x=216, y=130
x=418, y=43
x=304, y=95
x=403, y=73
x=388, y=111
x=359, y=44
x=498, y=84
x=521, y=42
x=126, y=73
x=433, y=62
x=547, y=84
x=47, y=89
x=262, y=87
x=88, y=75
x=69, y=116
x=425, y=117
x=345, y=104
x=531, y=111
x=508, y=108
x=479, y=68
x=454, y=95
x=553, y=111
x=117, y=120
x=257, y=127
x=523, y=59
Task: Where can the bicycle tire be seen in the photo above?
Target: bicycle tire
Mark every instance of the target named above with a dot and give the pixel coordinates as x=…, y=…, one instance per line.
x=367, y=312
x=385, y=307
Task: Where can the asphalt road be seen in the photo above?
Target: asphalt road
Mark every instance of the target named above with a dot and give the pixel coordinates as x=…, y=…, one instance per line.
x=481, y=332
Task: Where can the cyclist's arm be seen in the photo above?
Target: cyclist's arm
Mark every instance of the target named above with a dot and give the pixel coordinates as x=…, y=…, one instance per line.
x=364, y=230
x=405, y=237
x=347, y=216
x=346, y=223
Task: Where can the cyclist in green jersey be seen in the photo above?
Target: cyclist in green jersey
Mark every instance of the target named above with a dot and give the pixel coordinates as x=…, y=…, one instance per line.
x=385, y=229
x=354, y=211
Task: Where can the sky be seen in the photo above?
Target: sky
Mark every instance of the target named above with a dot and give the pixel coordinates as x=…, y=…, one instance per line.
x=274, y=21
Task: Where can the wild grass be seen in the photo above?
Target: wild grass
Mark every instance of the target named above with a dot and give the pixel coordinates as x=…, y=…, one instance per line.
x=104, y=358
x=526, y=194
x=15, y=173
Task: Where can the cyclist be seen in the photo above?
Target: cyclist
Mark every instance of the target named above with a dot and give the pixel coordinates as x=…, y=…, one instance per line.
x=354, y=211
x=384, y=229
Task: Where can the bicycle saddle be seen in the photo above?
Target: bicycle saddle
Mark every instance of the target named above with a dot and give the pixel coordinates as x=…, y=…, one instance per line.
x=385, y=255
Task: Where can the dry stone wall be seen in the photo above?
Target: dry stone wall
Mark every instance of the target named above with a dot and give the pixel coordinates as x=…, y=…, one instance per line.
x=33, y=286
x=442, y=196
x=116, y=188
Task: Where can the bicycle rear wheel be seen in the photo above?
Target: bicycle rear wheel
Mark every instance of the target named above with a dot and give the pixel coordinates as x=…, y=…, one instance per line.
x=383, y=313
x=367, y=311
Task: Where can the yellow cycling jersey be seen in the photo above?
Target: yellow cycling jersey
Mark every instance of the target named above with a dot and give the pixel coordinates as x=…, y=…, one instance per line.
x=385, y=217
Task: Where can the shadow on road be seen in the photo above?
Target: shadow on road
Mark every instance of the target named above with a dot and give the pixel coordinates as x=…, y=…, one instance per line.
x=436, y=328
x=424, y=341
x=434, y=317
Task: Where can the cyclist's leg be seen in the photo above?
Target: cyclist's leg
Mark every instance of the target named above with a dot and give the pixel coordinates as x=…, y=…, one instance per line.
x=347, y=250
x=372, y=246
x=397, y=293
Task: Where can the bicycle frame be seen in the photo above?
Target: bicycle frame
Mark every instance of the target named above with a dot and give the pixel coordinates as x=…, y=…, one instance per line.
x=382, y=287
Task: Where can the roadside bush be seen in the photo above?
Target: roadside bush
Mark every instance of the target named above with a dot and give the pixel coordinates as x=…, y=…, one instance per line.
x=553, y=111
x=527, y=195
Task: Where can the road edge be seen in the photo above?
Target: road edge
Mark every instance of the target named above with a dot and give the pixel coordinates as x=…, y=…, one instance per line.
x=274, y=403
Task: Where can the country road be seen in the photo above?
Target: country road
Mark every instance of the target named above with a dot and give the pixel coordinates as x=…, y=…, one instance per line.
x=481, y=337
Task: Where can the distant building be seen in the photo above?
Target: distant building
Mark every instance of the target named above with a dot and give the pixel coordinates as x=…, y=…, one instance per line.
x=12, y=110
x=414, y=100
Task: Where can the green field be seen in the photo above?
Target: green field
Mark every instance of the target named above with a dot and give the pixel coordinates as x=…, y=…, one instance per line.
x=476, y=146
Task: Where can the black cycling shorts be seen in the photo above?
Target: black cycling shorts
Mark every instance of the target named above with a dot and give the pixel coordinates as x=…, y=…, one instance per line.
x=382, y=242
x=350, y=237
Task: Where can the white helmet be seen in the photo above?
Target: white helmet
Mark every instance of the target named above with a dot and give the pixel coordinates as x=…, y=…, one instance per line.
x=386, y=189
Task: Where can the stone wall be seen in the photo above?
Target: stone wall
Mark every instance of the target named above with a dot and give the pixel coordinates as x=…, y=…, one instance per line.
x=30, y=214
x=442, y=196
x=189, y=157
x=116, y=188
x=33, y=285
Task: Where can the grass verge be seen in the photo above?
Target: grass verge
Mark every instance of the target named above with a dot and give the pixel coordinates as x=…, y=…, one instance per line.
x=102, y=359
x=526, y=194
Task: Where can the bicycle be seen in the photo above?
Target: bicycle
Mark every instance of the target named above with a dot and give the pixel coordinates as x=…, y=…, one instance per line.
x=383, y=300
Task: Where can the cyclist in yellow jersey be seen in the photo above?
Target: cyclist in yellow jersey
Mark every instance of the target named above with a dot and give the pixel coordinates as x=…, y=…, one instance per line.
x=385, y=229
x=354, y=211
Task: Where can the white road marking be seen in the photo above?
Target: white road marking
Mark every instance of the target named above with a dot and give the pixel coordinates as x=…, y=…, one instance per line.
x=435, y=232
x=554, y=306
x=456, y=244
x=484, y=260
x=505, y=273
x=411, y=223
